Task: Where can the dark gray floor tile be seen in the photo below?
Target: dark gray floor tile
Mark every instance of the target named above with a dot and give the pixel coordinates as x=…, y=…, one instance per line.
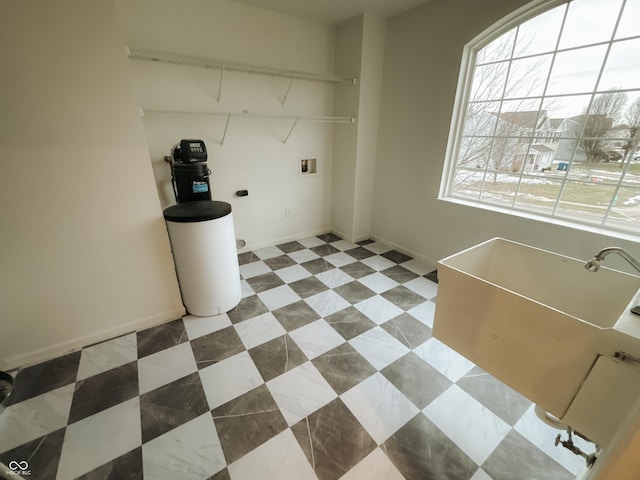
x=102, y=391
x=161, y=337
x=317, y=266
x=216, y=346
x=247, y=422
x=518, y=459
x=295, y=315
x=43, y=377
x=333, y=440
x=125, y=467
x=357, y=269
x=291, y=247
x=360, y=253
x=329, y=237
x=277, y=356
x=221, y=475
x=171, y=405
x=433, y=276
x=276, y=263
x=411, y=332
x=396, y=256
x=324, y=250
x=248, y=307
x=42, y=455
x=247, y=257
x=343, y=367
x=421, y=451
x=350, y=322
x=399, y=274
x=354, y=292
x=419, y=381
x=308, y=287
x=404, y=298
x=264, y=282
x=365, y=242
x=502, y=400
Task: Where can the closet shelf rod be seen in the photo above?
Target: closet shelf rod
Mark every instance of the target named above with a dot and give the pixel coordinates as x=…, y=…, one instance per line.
x=300, y=118
x=180, y=59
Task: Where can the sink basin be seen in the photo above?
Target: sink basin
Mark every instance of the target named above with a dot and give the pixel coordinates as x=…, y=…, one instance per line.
x=532, y=318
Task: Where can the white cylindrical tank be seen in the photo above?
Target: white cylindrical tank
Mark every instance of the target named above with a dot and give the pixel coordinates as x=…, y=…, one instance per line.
x=204, y=251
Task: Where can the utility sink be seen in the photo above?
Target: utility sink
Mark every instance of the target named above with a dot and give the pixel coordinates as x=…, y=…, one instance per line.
x=534, y=319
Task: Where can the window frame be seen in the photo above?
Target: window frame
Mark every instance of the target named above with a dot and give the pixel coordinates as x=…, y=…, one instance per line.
x=462, y=98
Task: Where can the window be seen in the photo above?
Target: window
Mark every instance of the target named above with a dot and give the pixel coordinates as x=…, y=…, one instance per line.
x=547, y=120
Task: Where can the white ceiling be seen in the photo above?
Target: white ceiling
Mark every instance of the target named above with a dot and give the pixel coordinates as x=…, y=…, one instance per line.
x=335, y=11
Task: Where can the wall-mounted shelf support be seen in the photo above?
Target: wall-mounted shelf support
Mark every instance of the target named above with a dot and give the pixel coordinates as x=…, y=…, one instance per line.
x=286, y=95
x=290, y=131
x=180, y=59
x=220, y=85
x=296, y=119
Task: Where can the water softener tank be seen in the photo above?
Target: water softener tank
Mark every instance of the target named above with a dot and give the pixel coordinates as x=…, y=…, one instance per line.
x=189, y=171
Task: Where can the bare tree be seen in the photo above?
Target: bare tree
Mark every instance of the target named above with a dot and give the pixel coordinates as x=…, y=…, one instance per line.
x=596, y=125
x=632, y=119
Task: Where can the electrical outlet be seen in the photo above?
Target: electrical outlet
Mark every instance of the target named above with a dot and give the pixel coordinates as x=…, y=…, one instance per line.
x=287, y=212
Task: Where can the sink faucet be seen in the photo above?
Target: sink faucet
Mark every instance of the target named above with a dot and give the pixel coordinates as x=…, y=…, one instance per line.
x=594, y=264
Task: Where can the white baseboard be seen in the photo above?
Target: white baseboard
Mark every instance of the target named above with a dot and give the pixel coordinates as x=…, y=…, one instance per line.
x=429, y=261
x=30, y=358
x=291, y=238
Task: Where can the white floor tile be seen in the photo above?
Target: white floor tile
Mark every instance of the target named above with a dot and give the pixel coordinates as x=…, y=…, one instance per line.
x=379, y=406
x=340, y=259
x=543, y=435
x=375, y=466
x=378, y=347
x=300, y=392
x=334, y=278
x=418, y=267
x=378, y=282
x=253, y=269
x=189, y=452
x=449, y=362
x=379, y=309
x=165, y=367
x=481, y=475
x=424, y=287
x=424, y=312
x=100, y=438
x=277, y=459
x=316, y=338
x=311, y=242
x=376, y=247
x=378, y=263
x=199, y=326
x=230, y=378
x=472, y=426
x=302, y=256
x=343, y=245
x=30, y=419
x=107, y=355
x=279, y=297
x=292, y=273
x=268, y=252
x=326, y=303
x=258, y=330
x=247, y=291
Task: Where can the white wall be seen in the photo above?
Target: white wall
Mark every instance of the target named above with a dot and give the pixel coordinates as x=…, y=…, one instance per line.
x=84, y=252
x=253, y=155
x=422, y=61
x=360, y=54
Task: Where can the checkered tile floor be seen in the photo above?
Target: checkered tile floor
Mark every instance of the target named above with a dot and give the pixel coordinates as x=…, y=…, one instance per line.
x=326, y=369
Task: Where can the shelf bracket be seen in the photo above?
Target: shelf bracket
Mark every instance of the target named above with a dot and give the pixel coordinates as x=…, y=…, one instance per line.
x=286, y=95
x=291, y=131
x=226, y=127
x=220, y=85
